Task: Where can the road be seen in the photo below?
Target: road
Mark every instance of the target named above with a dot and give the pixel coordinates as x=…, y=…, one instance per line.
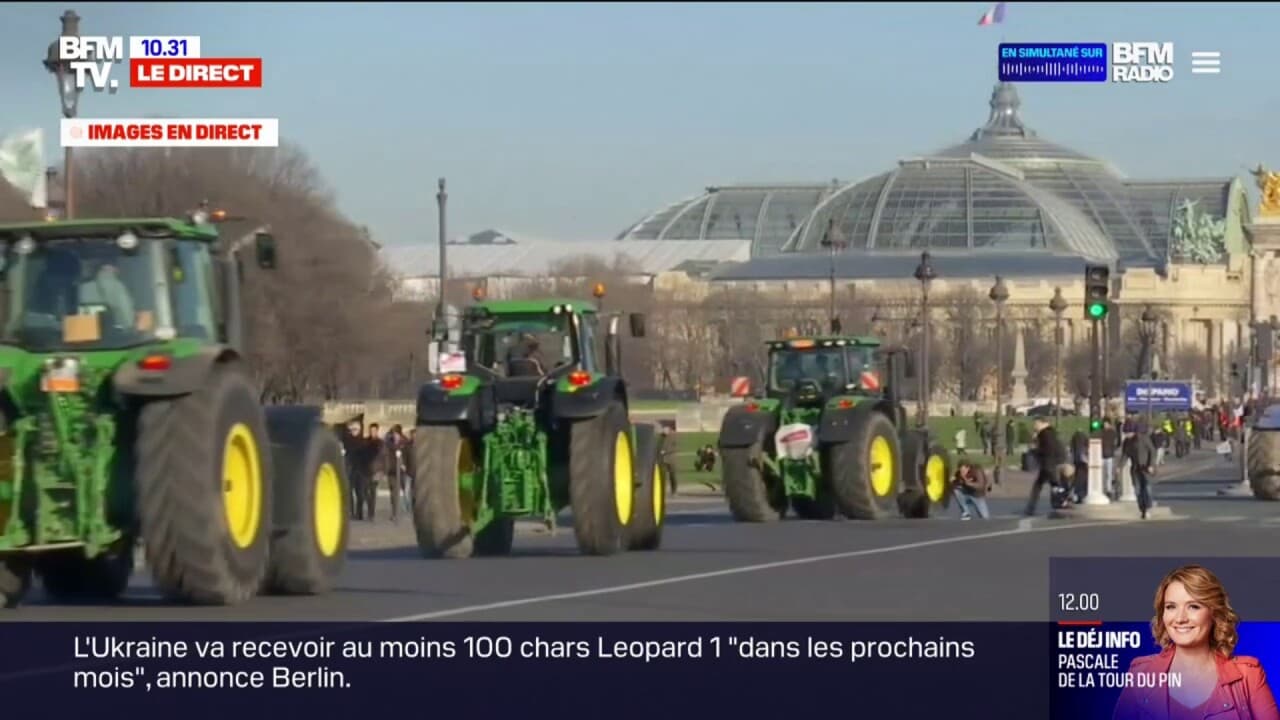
x=711, y=568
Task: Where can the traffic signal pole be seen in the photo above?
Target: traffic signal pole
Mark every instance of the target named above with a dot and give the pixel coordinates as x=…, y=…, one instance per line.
x=1097, y=290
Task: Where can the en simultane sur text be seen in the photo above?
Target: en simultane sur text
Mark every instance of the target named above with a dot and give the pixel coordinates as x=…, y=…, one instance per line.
x=285, y=664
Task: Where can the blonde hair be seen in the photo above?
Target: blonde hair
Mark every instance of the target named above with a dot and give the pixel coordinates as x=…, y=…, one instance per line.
x=1204, y=587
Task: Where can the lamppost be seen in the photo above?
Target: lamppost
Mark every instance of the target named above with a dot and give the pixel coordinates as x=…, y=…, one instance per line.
x=834, y=243
x=69, y=94
x=999, y=294
x=1150, y=326
x=926, y=275
x=441, y=198
x=1058, y=305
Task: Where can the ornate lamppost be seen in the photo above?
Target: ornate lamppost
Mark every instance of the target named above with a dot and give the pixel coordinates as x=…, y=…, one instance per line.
x=999, y=294
x=1147, y=333
x=69, y=94
x=1058, y=305
x=834, y=242
x=926, y=275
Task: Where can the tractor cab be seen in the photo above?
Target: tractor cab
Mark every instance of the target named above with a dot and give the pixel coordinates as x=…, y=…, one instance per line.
x=113, y=284
x=806, y=371
x=523, y=346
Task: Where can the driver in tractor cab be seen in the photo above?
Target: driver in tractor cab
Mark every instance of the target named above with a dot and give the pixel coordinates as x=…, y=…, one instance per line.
x=829, y=376
x=524, y=359
x=102, y=286
x=790, y=371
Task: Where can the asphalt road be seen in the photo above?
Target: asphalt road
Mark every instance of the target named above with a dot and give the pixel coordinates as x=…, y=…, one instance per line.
x=711, y=568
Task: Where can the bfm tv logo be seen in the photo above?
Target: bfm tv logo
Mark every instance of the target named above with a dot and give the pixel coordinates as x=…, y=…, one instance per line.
x=1141, y=62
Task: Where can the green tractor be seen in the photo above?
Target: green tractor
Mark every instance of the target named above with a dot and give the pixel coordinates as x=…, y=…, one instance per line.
x=533, y=424
x=828, y=436
x=128, y=416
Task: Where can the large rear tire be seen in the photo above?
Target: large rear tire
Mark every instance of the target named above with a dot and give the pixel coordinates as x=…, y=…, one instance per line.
x=1263, y=458
x=205, y=491
x=308, y=556
x=645, y=530
x=446, y=465
x=602, y=481
x=866, y=472
x=937, y=476
x=751, y=495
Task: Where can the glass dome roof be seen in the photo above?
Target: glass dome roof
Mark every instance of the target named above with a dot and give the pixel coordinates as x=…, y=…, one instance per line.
x=969, y=203
x=1003, y=189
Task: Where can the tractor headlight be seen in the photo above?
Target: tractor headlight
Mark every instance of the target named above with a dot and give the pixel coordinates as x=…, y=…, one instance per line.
x=127, y=241
x=26, y=245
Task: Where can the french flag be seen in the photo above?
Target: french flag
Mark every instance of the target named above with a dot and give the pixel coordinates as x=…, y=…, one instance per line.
x=992, y=16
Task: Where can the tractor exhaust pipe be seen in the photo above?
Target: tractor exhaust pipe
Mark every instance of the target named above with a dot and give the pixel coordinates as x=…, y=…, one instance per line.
x=613, y=348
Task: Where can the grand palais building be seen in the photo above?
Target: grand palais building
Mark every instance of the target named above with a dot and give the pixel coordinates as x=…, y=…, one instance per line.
x=1002, y=202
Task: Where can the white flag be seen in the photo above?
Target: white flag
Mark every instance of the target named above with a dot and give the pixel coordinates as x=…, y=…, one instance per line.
x=22, y=165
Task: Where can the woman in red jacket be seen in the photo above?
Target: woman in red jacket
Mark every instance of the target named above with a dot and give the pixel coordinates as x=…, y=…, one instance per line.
x=1196, y=626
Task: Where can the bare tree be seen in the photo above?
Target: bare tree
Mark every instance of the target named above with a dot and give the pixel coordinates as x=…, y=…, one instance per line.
x=315, y=324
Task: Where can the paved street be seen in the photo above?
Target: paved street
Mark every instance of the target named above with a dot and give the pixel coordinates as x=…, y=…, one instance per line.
x=713, y=569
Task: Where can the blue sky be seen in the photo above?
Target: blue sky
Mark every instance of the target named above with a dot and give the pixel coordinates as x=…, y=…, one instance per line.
x=573, y=121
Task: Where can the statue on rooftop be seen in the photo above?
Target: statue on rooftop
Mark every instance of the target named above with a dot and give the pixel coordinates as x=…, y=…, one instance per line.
x=1269, y=190
x=1198, y=237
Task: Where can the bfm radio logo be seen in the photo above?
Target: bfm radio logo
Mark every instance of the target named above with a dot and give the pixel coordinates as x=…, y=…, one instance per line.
x=1141, y=62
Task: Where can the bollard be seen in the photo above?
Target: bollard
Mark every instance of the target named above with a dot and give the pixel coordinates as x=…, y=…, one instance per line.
x=1097, y=494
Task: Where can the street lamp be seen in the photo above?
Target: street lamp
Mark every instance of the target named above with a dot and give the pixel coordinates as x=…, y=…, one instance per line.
x=926, y=275
x=69, y=94
x=1150, y=326
x=834, y=242
x=1058, y=305
x=999, y=294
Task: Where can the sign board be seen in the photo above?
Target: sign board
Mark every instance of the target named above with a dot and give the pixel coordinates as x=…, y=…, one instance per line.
x=1157, y=396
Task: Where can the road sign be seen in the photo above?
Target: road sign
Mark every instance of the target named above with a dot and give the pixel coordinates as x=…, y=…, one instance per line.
x=740, y=386
x=1157, y=396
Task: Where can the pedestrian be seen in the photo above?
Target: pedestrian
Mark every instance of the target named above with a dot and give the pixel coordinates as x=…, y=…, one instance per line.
x=1080, y=459
x=668, y=447
x=1142, y=461
x=394, y=446
x=375, y=468
x=1050, y=456
x=960, y=441
x=354, y=452
x=970, y=487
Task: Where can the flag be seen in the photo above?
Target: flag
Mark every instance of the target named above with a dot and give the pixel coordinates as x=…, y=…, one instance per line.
x=22, y=165
x=992, y=16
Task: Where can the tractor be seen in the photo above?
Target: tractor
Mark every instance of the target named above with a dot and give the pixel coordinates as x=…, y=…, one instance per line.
x=129, y=418
x=510, y=433
x=828, y=436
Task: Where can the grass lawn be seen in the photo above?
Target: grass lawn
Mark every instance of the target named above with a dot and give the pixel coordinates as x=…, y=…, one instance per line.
x=943, y=429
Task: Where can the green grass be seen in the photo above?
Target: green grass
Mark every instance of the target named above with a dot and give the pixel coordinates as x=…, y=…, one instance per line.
x=943, y=430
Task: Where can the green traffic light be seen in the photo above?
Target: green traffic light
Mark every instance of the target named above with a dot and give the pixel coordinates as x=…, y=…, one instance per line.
x=1095, y=424
x=1097, y=310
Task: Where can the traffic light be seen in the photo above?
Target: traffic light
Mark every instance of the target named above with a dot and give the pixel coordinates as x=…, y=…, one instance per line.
x=1095, y=425
x=1097, y=287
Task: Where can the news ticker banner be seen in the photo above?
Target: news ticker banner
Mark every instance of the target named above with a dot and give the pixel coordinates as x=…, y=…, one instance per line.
x=694, y=669
x=1117, y=62
x=1102, y=610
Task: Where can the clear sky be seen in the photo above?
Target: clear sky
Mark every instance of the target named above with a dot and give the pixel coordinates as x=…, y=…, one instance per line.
x=573, y=121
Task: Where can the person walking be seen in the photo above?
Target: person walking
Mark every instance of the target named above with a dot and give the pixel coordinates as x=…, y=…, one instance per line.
x=1142, y=463
x=1050, y=456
